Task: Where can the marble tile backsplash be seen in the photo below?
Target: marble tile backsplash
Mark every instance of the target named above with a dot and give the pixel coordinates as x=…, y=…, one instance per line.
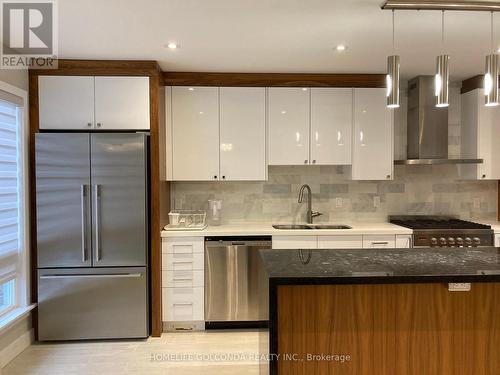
x=415, y=190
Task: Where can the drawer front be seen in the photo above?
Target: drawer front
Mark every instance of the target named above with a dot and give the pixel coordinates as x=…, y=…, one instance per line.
x=295, y=242
x=379, y=241
x=183, y=304
x=403, y=241
x=182, y=279
x=182, y=262
x=183, y=245
x=340, y=242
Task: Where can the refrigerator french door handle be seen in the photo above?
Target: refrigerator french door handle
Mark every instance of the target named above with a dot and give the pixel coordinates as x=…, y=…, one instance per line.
x=83, y=189
x=97, y=209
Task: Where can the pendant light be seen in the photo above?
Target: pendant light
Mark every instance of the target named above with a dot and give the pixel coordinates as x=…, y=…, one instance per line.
x=491, y=75
x=392, y=77
x=442, y=77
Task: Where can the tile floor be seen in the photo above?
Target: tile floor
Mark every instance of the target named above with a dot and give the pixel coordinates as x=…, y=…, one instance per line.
x=148, y=357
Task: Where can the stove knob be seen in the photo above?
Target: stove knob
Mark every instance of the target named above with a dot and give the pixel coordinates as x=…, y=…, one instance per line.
x=468, y=242
x=460, y=241
x=476, y=241
x=434, y=241
x=442, y=241
x=451, y=242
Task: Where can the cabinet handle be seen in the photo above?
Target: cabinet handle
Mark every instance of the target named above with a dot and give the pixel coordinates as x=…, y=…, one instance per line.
x=380, y=243
x=89, y=124
x=215, y=177
x=314, y=161
x=223, y=177
x=484, y=176
x=99, y=124
x=388, y=176
x=305, y=161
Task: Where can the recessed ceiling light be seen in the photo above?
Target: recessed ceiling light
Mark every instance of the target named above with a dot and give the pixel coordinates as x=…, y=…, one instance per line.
x=341, y=48
x=172, y=45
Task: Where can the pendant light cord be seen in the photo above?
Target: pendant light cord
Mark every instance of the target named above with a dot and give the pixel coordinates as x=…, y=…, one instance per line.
x=442, y=31
x=393, y=42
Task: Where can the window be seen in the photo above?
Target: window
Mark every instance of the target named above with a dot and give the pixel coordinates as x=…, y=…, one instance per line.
x=13, y=244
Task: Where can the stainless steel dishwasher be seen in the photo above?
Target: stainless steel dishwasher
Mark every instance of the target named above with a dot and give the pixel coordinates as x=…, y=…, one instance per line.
x=235, y=286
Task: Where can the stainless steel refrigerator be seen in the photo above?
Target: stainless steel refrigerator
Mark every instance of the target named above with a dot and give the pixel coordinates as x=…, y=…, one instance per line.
x=92, y=235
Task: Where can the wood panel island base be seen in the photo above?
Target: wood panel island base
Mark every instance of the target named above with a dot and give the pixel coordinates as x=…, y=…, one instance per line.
x=384, y=312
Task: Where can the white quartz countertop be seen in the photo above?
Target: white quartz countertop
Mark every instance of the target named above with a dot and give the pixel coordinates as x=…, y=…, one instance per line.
x=266, y=229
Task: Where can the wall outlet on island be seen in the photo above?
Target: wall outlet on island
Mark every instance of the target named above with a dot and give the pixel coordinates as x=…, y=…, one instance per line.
x=476, y=202
x=338, y=202
x=376, y=201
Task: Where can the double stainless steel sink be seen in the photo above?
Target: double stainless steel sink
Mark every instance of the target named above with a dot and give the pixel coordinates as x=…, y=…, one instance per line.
x=310, y=226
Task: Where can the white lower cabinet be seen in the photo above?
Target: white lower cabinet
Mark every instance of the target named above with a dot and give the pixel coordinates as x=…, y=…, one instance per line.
x=374, y=241
x=295, y=242
x=404, y=241
x=497, y=240
x=340, y=242
x=378, y=241
x=183, y=283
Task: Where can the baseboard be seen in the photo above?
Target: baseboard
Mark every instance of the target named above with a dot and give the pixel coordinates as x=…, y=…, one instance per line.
x=15, y=348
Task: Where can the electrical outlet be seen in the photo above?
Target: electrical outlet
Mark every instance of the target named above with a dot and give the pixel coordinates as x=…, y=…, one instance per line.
x=376, y=201
x=338, y=202
x=476, y=202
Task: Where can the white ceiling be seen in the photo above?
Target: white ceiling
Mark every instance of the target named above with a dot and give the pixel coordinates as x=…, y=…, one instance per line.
x=271, y=35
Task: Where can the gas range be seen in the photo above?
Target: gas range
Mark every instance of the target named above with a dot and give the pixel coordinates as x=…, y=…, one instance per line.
x=445, y=231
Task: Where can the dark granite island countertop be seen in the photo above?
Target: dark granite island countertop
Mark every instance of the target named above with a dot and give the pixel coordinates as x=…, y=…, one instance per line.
x=389, y=310
x=382, y=265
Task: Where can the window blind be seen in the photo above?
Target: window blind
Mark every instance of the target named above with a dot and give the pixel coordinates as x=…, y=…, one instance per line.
x=10, y=191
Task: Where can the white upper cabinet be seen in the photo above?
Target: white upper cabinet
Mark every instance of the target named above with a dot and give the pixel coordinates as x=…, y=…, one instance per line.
x=242, y=133
x=373, y=148
x=194, y=133
x=94, y=103
x=66, y=102
x=331, y=125
x=480, y=132
x=289, y=115
x=122, y=103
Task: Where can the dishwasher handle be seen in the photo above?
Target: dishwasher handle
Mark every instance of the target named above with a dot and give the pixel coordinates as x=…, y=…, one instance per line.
x=263, y=244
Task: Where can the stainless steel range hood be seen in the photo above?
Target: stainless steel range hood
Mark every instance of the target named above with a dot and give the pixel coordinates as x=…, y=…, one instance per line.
x=427, y=127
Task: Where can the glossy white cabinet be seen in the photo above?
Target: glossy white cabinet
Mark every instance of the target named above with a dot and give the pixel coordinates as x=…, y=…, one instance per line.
x=331, y=125
x=194, y=134
x=295, y=242
x=340, y=242
x=480, y=132
x=66, y=103
x=122, y=103
x=373, y=143
x=93, y=103
x=288, y=133
x=242, y=133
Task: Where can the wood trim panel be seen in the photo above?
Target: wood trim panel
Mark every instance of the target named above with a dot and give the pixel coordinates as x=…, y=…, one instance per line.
x=272, y=79
x=109, y=68
x=472, y=83
x=101, y=67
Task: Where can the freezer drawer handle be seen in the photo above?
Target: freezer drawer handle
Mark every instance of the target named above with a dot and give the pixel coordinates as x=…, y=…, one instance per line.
x=183, y=303
x=183, y=279
x=97, y=208
x=103, y=276
x=84, y=222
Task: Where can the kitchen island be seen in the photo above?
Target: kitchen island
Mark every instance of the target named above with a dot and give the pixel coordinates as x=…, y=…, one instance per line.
x=390, y=311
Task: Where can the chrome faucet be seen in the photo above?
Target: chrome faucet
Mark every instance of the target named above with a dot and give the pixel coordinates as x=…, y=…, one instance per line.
x=310, y=214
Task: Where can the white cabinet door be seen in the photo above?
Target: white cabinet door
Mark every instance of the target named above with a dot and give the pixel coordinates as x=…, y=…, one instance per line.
x=379, y=241
x=340, y=242
x=295, y=242
x=195, y=133
x=372, y=157
x=66, y=103
x=479, y=137
x=122, y=103
x=242, y=133
x=331, y=125
x=288, y=111
x=403, y=241
x=497, y=240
